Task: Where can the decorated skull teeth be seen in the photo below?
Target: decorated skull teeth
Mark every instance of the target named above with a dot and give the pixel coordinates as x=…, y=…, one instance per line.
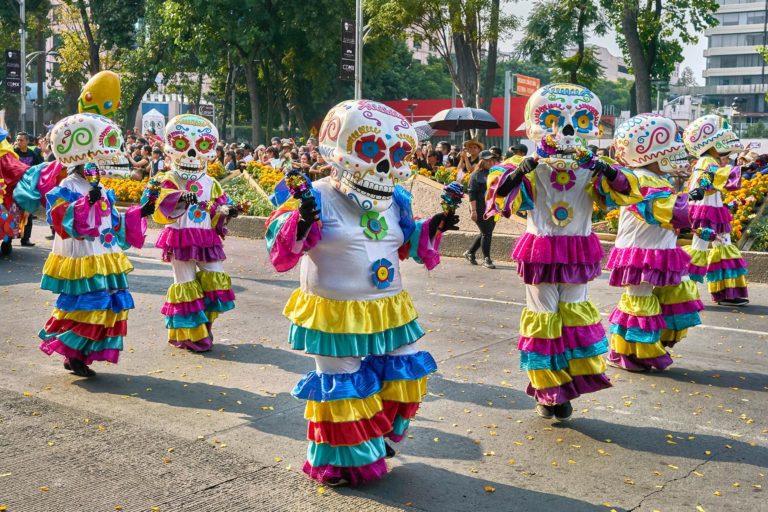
x=569, y=113
x=367, y=144
x=649, y=138
x=87, y=138
x=711, y=131
x=190, y=142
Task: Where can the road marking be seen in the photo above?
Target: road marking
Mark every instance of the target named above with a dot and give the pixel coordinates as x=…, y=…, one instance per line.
x=522, y=304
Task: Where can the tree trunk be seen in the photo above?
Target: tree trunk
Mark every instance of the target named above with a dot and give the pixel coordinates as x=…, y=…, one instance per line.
x=251, y=81
x=283, y=119
x=199, y=93
x=636, y=55
x=467, y=72
x=94, y=61
x=490, y=71
x=228, y=85
x=580, y=42
x=40, y=72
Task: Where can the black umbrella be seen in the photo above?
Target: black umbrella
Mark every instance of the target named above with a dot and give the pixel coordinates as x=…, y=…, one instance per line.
x=461, y=119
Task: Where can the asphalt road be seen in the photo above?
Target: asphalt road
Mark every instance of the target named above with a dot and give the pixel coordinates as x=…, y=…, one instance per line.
x=219, y=431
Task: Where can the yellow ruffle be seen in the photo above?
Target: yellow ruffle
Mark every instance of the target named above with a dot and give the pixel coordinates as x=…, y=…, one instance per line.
x=640, y=306
x=539, y=324
x=723, y=252
x=84, y=267
x=195, y=334
x=212, y=281
x=7, y=149
x=630, y=197
x=684, y=292
x=639, y=350
x=404, y=391
x=718, y=286
x=542, y=379
x=669, y=336
x=579, y=314
x=349, y=316
x=103, y=317
x=340, y=411
x=184, y=292
x=721, y=178
x=698, y=257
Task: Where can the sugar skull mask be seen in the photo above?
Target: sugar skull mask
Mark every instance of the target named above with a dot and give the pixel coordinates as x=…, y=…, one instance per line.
x=89, y=138
x=710, y=131
x=367, y=144
x=190, y=142
x=570, y=113
x=649, y=138
x=101, y=94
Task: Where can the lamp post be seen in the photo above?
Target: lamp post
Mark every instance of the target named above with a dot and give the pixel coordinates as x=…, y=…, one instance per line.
x=23, y=52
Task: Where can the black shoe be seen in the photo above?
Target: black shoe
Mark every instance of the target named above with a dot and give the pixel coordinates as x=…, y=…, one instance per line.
x=336, y=482
x=470, y=257
x=50, y=237
x=390, y=451
x=733, y=302
x=80, y=368
x=27, y=243
x=563, y=411
x=545, y=411
x=487, y=263
x=5, y=248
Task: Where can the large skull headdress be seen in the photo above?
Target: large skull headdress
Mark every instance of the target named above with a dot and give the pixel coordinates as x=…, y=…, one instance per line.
x=367, y=144
x=649, y=138
x=190, y=142
x=570, y=113
x=89, y=138
x=710, y=131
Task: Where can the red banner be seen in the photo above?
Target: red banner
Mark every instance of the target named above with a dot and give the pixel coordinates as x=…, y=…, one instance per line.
x=526, y=85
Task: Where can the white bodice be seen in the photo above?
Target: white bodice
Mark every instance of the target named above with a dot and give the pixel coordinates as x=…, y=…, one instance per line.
x=552, y=197
x=634, y=232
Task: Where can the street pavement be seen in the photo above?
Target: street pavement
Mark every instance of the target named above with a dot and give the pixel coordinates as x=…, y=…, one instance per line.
x=168, y=430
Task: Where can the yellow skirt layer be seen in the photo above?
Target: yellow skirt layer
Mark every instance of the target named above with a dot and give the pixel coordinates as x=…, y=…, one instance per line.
x=537, y=324
x=640, y=306
x=212, y=281
x=542, y=379
x=686, y=291
x=737, y=282
x=404, y=391
x=349, y=316
x=639, y=350
x=340, y=411
x=103, y=317
x=84, y=267
x=184, y=292
x=194, y=334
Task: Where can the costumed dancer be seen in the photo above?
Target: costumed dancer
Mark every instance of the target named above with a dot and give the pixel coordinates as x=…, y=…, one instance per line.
x=561, y=337
x=12, y=218
x=87, y=266
x=351, y=312
x=194, y=211
x=711, y=139
x=660, y=302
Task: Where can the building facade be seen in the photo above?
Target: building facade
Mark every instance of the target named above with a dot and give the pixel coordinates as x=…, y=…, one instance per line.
x=613, y=67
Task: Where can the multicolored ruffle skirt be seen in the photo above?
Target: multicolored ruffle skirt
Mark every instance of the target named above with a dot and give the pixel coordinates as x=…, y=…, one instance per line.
x=723, y=269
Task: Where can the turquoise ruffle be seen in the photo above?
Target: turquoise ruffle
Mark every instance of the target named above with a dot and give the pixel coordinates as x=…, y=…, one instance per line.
x=635, y=335
x=725, y=273
x=353, y=345
x=186, y=321
x=684, y=321
x=534, y=361
x=84, y=345
x=367, y=452
x=219, y=306
x=400, y=425
x=82, y=286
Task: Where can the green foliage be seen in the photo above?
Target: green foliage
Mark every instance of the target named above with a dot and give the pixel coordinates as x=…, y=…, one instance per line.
x=614, y=93
x=759, y=234
x=756, y=131
x=238, y=189
x=586, y=69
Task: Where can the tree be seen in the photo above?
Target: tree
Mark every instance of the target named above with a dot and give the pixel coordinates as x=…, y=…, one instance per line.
x=554, y=26
x=686, y=78
x=456, y=29
x=652, y=35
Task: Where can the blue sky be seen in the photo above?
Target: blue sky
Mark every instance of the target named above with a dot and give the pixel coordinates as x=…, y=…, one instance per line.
x=693, y=56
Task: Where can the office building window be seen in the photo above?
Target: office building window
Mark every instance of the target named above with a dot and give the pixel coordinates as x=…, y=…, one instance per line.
x=734, y=61
x=748, y=39
x=740, y=18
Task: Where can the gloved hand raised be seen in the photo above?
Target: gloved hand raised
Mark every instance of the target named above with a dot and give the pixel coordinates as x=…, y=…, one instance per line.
x=94, y=195
x=696, y=194
x=443, y=222
x=308, y=213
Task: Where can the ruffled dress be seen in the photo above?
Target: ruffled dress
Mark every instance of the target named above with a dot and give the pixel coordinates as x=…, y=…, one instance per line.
x=352, y=310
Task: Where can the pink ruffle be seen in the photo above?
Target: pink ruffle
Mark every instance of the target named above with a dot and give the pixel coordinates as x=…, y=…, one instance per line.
x=202, y=345
x=135, y=227
x=580, y=385
x=354, y=475
x=429, y=250
x=682, y=308
x=168, y=204
x=730, y=294
x=87, y=217
x=696, y=270
x=626, y=276
x=572, y=337
x=732, y=264
x=717, y=218
x=646, y=323
x=571, y=273
x=54, y=345
x=564, y=249
x=187, y=244
x=222, y=295
x=286, y=251
x=183, y=308
x=659, y=267
x=50, y=177
x=635, y=364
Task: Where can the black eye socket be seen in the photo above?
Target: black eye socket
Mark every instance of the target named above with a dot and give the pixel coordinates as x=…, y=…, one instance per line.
x=383, y=166
x=192, y=153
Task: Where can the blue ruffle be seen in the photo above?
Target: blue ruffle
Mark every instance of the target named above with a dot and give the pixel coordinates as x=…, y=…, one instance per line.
x=95, y=301
x=696, y=277
x=368, y=452
x=83, y=286
x=26, y=194
x=353, y=345
x=325, y=387
x=535, y=361
x=684, y=321
x=402, y=198
x=186, y=321
x=219, y=306
x=84, y=345
x=635, y=335
x=405, y=367
x=725, y=273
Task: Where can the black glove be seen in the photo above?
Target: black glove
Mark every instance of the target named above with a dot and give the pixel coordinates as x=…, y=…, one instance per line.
x=443, y=222
x=527, y=165
x=147, y=209
x=189, y=198
x=604, y=169
x=696, y=194
x=308, y=213
x=233, y=212
x=94, y=195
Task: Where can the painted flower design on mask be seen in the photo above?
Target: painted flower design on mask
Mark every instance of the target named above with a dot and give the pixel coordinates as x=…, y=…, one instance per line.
x=370, y=148
x=562, y=179
x=383, y=273
x=374, y=225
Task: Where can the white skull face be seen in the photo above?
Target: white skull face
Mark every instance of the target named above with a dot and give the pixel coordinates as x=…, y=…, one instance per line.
x=88, y=138
x=367, y=144
x=649, y=138
x=570, y=113
x=190, y=142
x=711, y=131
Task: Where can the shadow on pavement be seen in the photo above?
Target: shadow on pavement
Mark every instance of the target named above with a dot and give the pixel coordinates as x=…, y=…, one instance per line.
x=654, y=440
x=750, y=309
x=428, y=487
x=719, y=378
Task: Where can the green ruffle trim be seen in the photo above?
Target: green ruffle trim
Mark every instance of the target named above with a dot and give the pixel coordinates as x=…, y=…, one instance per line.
x=81, y=286
x=353, y=345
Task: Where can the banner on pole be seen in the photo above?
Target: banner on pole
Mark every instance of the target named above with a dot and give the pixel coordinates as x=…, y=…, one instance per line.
x=526, y=85
x=348, y=46
x=13, y=71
